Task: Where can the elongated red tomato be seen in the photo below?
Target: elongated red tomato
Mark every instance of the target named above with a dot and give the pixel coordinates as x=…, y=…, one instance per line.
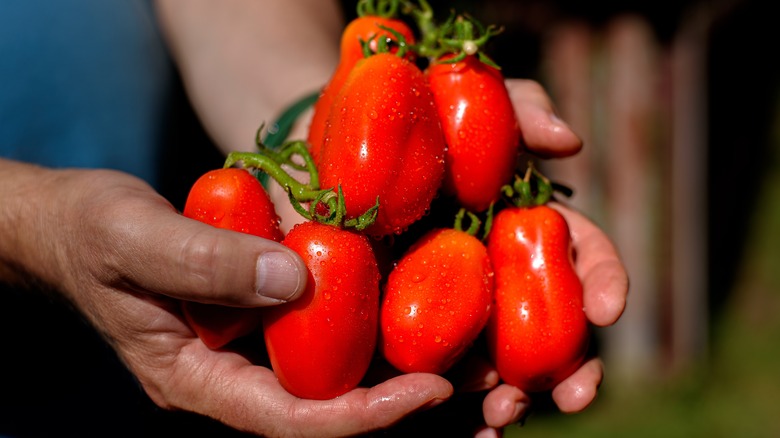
x=232, y=199
x=538, y=332
x=362, y=28
x=384, y=140
x=321, y=344
x=437, y=301
x=482, y=132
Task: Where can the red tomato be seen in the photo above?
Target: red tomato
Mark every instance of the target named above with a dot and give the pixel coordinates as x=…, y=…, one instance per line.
x=232, y=199
x=321, y=344
x=538, y=332
x=482, y=132
x=437, y=301
x=362, y=28
x=384, y=140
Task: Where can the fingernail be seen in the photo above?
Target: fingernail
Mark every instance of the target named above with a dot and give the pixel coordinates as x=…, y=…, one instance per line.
x=558, y=121
x=433, y=403
x=278, y=277
x=521, y=413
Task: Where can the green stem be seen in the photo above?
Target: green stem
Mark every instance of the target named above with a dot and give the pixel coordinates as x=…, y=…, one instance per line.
x=489, y=221
x=285, y=156
x=382, y=8
x=301, y=192
x=422, y=14
x=531, y=190
x=474, y=222
x=466, y=37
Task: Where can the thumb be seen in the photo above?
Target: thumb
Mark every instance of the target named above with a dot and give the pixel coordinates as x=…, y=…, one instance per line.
x=186, y=259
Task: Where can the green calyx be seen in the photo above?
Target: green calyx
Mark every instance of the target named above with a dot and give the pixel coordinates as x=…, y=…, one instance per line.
x=329, y=207
x=474, y=222
x=461, y=35
x=377, y=8
x=325, y=206
x=465, y=36
x=533, y=189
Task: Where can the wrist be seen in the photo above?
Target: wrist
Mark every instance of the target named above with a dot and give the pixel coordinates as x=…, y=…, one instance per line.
x=20, y=198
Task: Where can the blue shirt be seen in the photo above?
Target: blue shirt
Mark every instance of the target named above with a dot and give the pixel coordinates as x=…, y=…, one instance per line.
x=83, y=83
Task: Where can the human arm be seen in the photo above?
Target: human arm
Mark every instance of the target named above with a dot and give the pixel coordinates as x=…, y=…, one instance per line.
x=243, y=61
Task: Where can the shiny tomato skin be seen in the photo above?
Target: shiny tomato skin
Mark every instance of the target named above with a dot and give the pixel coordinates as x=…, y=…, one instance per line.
x=231, y=199
x=360, y=29
x=384, y=140
x=538, y=332
x=437, y=301
x=321, y=344
x=482, y=131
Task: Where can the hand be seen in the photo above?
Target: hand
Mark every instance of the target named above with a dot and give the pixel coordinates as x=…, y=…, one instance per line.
x=605, y=282
x=125, y=258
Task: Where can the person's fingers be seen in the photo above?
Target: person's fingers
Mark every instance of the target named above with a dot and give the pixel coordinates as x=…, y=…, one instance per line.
x=249, y=398
x=543, y=133
x=147, y=245
x=579, y=390
x=367, y=409
x=604, y=278
x=505, y=405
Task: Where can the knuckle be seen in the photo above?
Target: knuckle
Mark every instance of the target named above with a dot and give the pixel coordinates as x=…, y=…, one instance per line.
x=199, y=258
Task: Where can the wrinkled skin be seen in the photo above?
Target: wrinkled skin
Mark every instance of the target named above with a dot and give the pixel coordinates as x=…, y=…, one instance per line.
x=132, y=297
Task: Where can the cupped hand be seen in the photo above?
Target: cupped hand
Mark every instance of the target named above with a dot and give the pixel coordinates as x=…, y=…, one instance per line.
x=125, y=257
x=604, y=278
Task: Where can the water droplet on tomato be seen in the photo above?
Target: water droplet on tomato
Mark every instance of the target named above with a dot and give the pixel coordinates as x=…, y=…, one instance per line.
x=373, y=115
x=437, y=339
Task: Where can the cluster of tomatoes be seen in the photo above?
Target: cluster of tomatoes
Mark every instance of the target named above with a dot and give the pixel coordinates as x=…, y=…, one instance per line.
x=393, y=145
